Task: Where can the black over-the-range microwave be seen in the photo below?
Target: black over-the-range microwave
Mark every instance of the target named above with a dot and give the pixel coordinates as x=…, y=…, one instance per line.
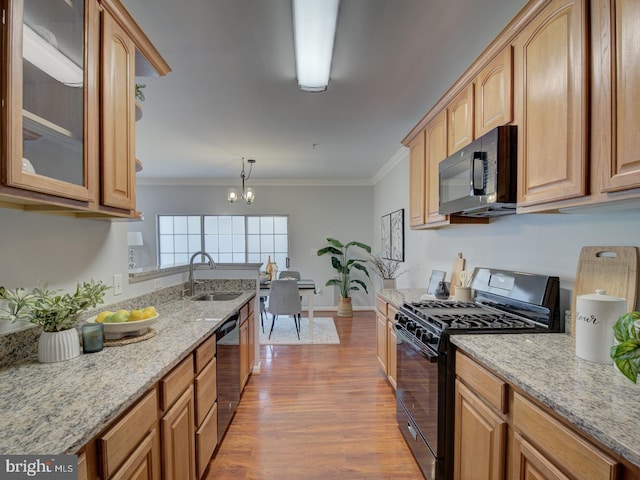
x=480, y=179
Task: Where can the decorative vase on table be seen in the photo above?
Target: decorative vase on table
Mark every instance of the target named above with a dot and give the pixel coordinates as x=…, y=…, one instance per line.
x=345, y=309
x=58, y=346
x=389, y=283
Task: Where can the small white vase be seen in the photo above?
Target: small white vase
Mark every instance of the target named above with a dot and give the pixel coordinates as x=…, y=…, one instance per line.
x=58, y=346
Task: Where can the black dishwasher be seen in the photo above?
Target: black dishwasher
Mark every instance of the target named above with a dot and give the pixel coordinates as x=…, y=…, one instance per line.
x=228, y=372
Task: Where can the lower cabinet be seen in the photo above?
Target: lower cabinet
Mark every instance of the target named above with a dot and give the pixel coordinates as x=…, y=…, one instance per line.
x=130, y=448
x=480, y=438
x=206, y=394
x=177, y=425
x=386, y=340
x=178, y=439
x=171, y=432
x=83, y=473
x=247, y=341
x=537, y=435
x=501, y=433
x=392, y=347
x=381, y=340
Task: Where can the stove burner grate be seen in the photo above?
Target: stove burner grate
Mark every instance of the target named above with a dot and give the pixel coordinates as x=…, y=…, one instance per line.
x=443, y=304
x=478, y=320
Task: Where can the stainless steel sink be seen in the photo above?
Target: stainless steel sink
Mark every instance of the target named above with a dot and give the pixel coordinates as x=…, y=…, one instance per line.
x=217, y=296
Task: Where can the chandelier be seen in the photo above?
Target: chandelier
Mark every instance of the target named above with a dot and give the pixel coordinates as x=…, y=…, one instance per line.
x=247, y=193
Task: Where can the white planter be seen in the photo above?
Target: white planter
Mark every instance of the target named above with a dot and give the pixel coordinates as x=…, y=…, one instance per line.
x=58, y=346
x=389, y=283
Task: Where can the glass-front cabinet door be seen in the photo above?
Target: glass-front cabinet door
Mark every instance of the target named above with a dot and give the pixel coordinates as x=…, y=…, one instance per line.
x=52, y=98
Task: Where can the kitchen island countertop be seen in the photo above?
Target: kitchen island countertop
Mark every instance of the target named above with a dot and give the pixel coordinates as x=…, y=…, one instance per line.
x=596, y=398
x=57, y=408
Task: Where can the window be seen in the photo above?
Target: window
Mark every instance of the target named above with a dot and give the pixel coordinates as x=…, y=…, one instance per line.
x=227, y=238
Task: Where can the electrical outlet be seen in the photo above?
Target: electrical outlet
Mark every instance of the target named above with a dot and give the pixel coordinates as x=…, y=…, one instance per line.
x=117, y=284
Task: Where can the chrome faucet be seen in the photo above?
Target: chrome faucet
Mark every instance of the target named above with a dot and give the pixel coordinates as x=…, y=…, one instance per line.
x=192, y=282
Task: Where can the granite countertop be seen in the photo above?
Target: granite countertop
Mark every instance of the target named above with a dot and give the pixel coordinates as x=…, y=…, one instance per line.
x=57, y=408
x=596, y=398
x=397, y=296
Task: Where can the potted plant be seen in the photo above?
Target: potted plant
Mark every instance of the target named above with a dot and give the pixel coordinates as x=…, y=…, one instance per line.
x=386, y=269
x=55, y=313
x=343, y=263
x=626, y=354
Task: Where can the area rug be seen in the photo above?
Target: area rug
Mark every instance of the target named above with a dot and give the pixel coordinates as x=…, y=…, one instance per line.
x=284, y=331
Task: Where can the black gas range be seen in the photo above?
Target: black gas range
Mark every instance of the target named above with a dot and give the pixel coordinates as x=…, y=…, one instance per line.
x=504, y=302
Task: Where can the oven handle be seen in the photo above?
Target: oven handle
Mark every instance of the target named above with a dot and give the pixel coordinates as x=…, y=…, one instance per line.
x=421, y=348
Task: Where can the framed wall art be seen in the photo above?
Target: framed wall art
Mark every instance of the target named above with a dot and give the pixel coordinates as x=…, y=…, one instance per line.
x=393, y=236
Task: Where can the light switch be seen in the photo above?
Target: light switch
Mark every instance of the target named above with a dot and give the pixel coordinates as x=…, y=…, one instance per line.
x=117, y=284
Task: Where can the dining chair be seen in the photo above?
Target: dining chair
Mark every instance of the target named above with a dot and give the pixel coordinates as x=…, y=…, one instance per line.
x=284, y=299
x=289, y=274
x=263, y=310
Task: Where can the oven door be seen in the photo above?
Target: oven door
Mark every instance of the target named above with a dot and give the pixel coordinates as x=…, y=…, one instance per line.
x=421, y=391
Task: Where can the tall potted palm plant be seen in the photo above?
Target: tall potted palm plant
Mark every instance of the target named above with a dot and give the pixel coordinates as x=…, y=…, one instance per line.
x=344, y=263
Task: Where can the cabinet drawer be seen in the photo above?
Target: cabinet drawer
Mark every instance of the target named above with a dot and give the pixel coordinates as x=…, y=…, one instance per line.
x=577, y=456
x=244, y=313
x=250, y=305
x=176, y=382
x=204, y=353
x=120, y=440
x=487, y=385
x=391, y=312
x=206, y=440
x=82, y=467
x=206, y=391
x=381, y=305
x=144, y=463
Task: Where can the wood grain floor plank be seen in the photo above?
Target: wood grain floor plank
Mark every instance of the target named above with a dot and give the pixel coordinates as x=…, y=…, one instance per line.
x=317, y=412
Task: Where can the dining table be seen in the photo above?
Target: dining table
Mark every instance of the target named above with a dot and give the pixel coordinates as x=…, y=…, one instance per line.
x=306, y=288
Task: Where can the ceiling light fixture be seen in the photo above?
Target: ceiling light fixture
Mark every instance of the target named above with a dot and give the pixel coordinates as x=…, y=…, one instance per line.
x=314, y=31
x=45, y=56
x=247, y=193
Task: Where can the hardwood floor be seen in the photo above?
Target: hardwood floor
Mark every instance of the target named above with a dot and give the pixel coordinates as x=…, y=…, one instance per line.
x=317, y=412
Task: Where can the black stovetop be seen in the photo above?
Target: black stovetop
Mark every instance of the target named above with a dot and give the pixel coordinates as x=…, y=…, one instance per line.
x=503, y=301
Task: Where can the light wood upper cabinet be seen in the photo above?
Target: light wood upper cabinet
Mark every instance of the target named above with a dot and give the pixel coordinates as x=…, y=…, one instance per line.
x=118, y=122
x=416, y=180
x=49, y=134
x=494, y=93
x=461, y=118
x=435, y=152
x=68, y=138
x=616, y=93
x=550, y=104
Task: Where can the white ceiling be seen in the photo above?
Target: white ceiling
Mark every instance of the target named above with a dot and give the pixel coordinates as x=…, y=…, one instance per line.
x=233, y=91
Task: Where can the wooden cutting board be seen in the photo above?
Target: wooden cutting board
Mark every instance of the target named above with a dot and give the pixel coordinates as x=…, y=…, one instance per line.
x=614, y=269
x=458, y=266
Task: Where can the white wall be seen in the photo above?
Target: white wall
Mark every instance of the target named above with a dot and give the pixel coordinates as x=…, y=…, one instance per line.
x=535, y=243
x=40, y=249
x=58, y=251
x=315, y=213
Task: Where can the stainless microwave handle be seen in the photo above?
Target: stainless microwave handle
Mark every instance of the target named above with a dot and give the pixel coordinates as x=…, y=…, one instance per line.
x=478, y=167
